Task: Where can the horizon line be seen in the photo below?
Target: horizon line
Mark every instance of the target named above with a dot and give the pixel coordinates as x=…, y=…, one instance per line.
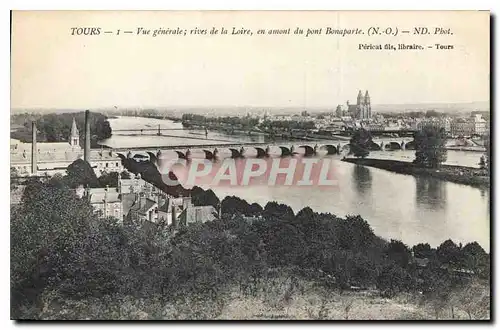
x=209, y=107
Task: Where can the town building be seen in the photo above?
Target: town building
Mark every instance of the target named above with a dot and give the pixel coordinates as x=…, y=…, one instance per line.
x=480, y=125
x=462, y=127
x=50, y=158
x=106, y=201
x=196, y=214
x=438, y=122
x=139, y=202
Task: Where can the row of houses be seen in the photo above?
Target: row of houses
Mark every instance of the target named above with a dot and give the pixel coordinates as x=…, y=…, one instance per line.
x=137, y=201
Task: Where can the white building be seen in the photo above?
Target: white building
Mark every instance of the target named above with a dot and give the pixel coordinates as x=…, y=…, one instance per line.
x=55, y=157
x=480, y=125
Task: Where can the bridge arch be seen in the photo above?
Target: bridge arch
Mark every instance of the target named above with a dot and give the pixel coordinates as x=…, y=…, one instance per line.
x=180, y=154
x=152, y=157
x=261, y=152
x=331, y=149
x=141, y=157
x=393, y=146
x=373, y=146
x=208, y=154
x=410, y=145
x=121, y=156
x=285, y=151
x=235, y=153
x=309, y=151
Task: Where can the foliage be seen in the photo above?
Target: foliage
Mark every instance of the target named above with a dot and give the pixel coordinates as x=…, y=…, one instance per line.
x=13, y=178
x=487, y=145
x=399, y=253
x=202, y=197
x=430, y=146
x=57, y=127
x=360, y=143
x=448, y=252
x=80, y=173
x=108, y=179
x=63, y=253
x=235, y=205
x=423, y=251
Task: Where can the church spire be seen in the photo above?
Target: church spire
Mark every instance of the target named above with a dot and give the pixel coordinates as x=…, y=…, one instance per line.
x=74, y=139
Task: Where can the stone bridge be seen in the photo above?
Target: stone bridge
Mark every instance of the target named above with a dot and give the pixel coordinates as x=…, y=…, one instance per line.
x=255, y=149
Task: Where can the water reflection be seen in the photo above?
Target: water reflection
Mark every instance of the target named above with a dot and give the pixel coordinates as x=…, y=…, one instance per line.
x=362, y=179
x=430, y=193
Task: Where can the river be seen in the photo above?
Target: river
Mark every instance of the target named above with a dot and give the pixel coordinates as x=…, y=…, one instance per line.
x=397, y=206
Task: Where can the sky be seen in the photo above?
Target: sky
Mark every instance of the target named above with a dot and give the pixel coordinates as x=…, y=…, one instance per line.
x=50, y=68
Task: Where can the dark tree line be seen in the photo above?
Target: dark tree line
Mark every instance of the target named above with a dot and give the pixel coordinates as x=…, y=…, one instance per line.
x=430, y=145
x=57, y=127
x=60, y=245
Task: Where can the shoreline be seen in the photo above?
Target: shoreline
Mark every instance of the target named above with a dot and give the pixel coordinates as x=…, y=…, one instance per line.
x=451, y=173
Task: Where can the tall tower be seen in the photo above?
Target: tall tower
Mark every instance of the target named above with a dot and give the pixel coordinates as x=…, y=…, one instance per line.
x=86, y=151
x=368, y=105
x=360, y=98
x=74, y=139
x=359, y=106
x=34, y=151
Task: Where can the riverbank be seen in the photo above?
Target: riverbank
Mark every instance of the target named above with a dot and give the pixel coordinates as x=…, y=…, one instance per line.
x=457, y=174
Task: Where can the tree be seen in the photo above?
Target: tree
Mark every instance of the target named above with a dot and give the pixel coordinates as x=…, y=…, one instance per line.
x=394, y=279
x=432, y=113
x=355, y=233
x=202, y=197
x=398, y=252
x=50, y=222
x=423, y=250
x=80, y=173
x=474, y=257
x=277, y=211
x=360, y=143
x=338, y=111
x=482, y=163
x=108, y=179
x=13, y=178
x=125, y=174
x=430, y=146
x=487, y=145
x=448, y=252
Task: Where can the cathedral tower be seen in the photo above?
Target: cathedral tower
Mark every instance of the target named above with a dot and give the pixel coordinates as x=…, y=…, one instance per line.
x=360, y=98
x=368, y=106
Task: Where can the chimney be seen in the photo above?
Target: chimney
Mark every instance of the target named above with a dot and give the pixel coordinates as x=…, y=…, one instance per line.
x=174, y=217
x=34, y=166
x=86, y=152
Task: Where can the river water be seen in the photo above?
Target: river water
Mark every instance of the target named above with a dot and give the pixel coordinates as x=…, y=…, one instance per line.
x=397, y=206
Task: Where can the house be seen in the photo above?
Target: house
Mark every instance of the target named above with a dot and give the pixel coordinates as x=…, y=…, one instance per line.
x=107, y=201
x=169, y=210
x=197, y=214
x=142, y=209
x=480, y=125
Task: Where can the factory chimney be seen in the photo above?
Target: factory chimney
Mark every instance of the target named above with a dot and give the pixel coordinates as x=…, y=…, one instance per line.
x=34, y=167
x=86, y=151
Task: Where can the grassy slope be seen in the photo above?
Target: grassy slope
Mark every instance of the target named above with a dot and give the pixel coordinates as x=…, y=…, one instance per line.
x=272, y=301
